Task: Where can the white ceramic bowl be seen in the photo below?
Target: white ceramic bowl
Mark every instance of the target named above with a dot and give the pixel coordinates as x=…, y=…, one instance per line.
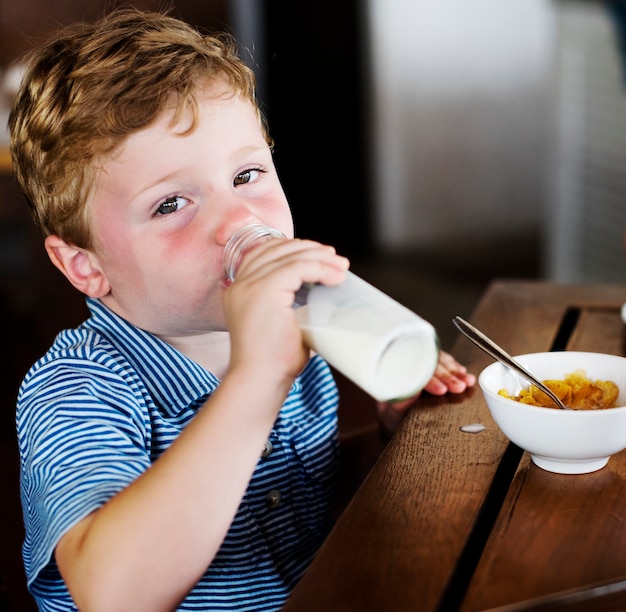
x=563, y=441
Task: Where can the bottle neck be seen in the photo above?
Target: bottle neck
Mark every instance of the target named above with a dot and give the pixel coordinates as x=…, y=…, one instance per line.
x=241, y=241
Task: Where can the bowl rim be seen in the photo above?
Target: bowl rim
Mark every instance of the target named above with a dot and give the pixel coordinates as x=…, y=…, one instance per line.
x=542, y=409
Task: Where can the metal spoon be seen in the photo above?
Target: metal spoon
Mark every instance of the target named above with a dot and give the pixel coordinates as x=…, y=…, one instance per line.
x=499, y=354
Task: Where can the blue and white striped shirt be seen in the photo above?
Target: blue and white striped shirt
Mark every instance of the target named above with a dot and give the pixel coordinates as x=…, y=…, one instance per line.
x=103, y=404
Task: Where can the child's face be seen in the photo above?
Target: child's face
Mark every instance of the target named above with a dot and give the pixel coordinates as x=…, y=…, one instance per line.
x=165, y=205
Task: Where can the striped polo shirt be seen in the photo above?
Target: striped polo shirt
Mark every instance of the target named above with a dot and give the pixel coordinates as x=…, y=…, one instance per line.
x=107, y=399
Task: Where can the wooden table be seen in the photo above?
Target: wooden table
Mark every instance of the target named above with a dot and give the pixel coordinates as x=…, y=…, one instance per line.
x=448, y=520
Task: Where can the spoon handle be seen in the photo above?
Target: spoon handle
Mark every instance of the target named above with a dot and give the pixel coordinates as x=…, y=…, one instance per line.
x=499, y=354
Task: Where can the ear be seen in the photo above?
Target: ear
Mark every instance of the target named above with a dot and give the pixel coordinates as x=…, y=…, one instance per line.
x=79, y=266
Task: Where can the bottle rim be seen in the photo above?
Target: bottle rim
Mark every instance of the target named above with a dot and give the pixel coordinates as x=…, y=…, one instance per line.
x=241, y=241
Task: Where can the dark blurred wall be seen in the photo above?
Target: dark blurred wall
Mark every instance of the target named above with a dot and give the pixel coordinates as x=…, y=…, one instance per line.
x=317, y=113
x=24, y=23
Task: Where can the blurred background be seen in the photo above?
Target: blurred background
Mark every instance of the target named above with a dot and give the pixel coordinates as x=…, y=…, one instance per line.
x=440, y=145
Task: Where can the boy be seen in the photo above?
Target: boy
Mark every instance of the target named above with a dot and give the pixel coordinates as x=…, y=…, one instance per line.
x=178, y=449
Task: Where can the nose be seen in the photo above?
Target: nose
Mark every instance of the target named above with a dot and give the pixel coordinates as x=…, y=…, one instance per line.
x=232, y=218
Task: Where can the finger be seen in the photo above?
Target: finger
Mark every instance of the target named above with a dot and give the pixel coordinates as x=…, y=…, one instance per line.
x=315, y=262
x=445, y=381
x=450, y=363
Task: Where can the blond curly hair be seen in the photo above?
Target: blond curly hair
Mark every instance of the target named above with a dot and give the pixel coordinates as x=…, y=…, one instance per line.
x=91, y=86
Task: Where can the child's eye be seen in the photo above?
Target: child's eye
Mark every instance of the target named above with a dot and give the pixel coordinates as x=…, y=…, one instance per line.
x=171, y=204
x=247, y=176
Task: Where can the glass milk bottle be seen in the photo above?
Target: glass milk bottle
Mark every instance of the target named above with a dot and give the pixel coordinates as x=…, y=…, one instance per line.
x=382, y=346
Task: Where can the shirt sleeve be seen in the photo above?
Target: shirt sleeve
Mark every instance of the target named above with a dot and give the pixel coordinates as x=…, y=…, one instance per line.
x=83, y=437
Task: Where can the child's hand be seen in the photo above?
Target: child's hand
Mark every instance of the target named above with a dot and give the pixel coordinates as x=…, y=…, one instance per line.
x=449, y=377
x=263, y=329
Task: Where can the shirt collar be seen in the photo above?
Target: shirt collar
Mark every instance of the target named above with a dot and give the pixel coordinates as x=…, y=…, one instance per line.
x=173, y=380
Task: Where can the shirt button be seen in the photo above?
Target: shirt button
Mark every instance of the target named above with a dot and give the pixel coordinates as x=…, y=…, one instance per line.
x=273, y=499
x=267, y=450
